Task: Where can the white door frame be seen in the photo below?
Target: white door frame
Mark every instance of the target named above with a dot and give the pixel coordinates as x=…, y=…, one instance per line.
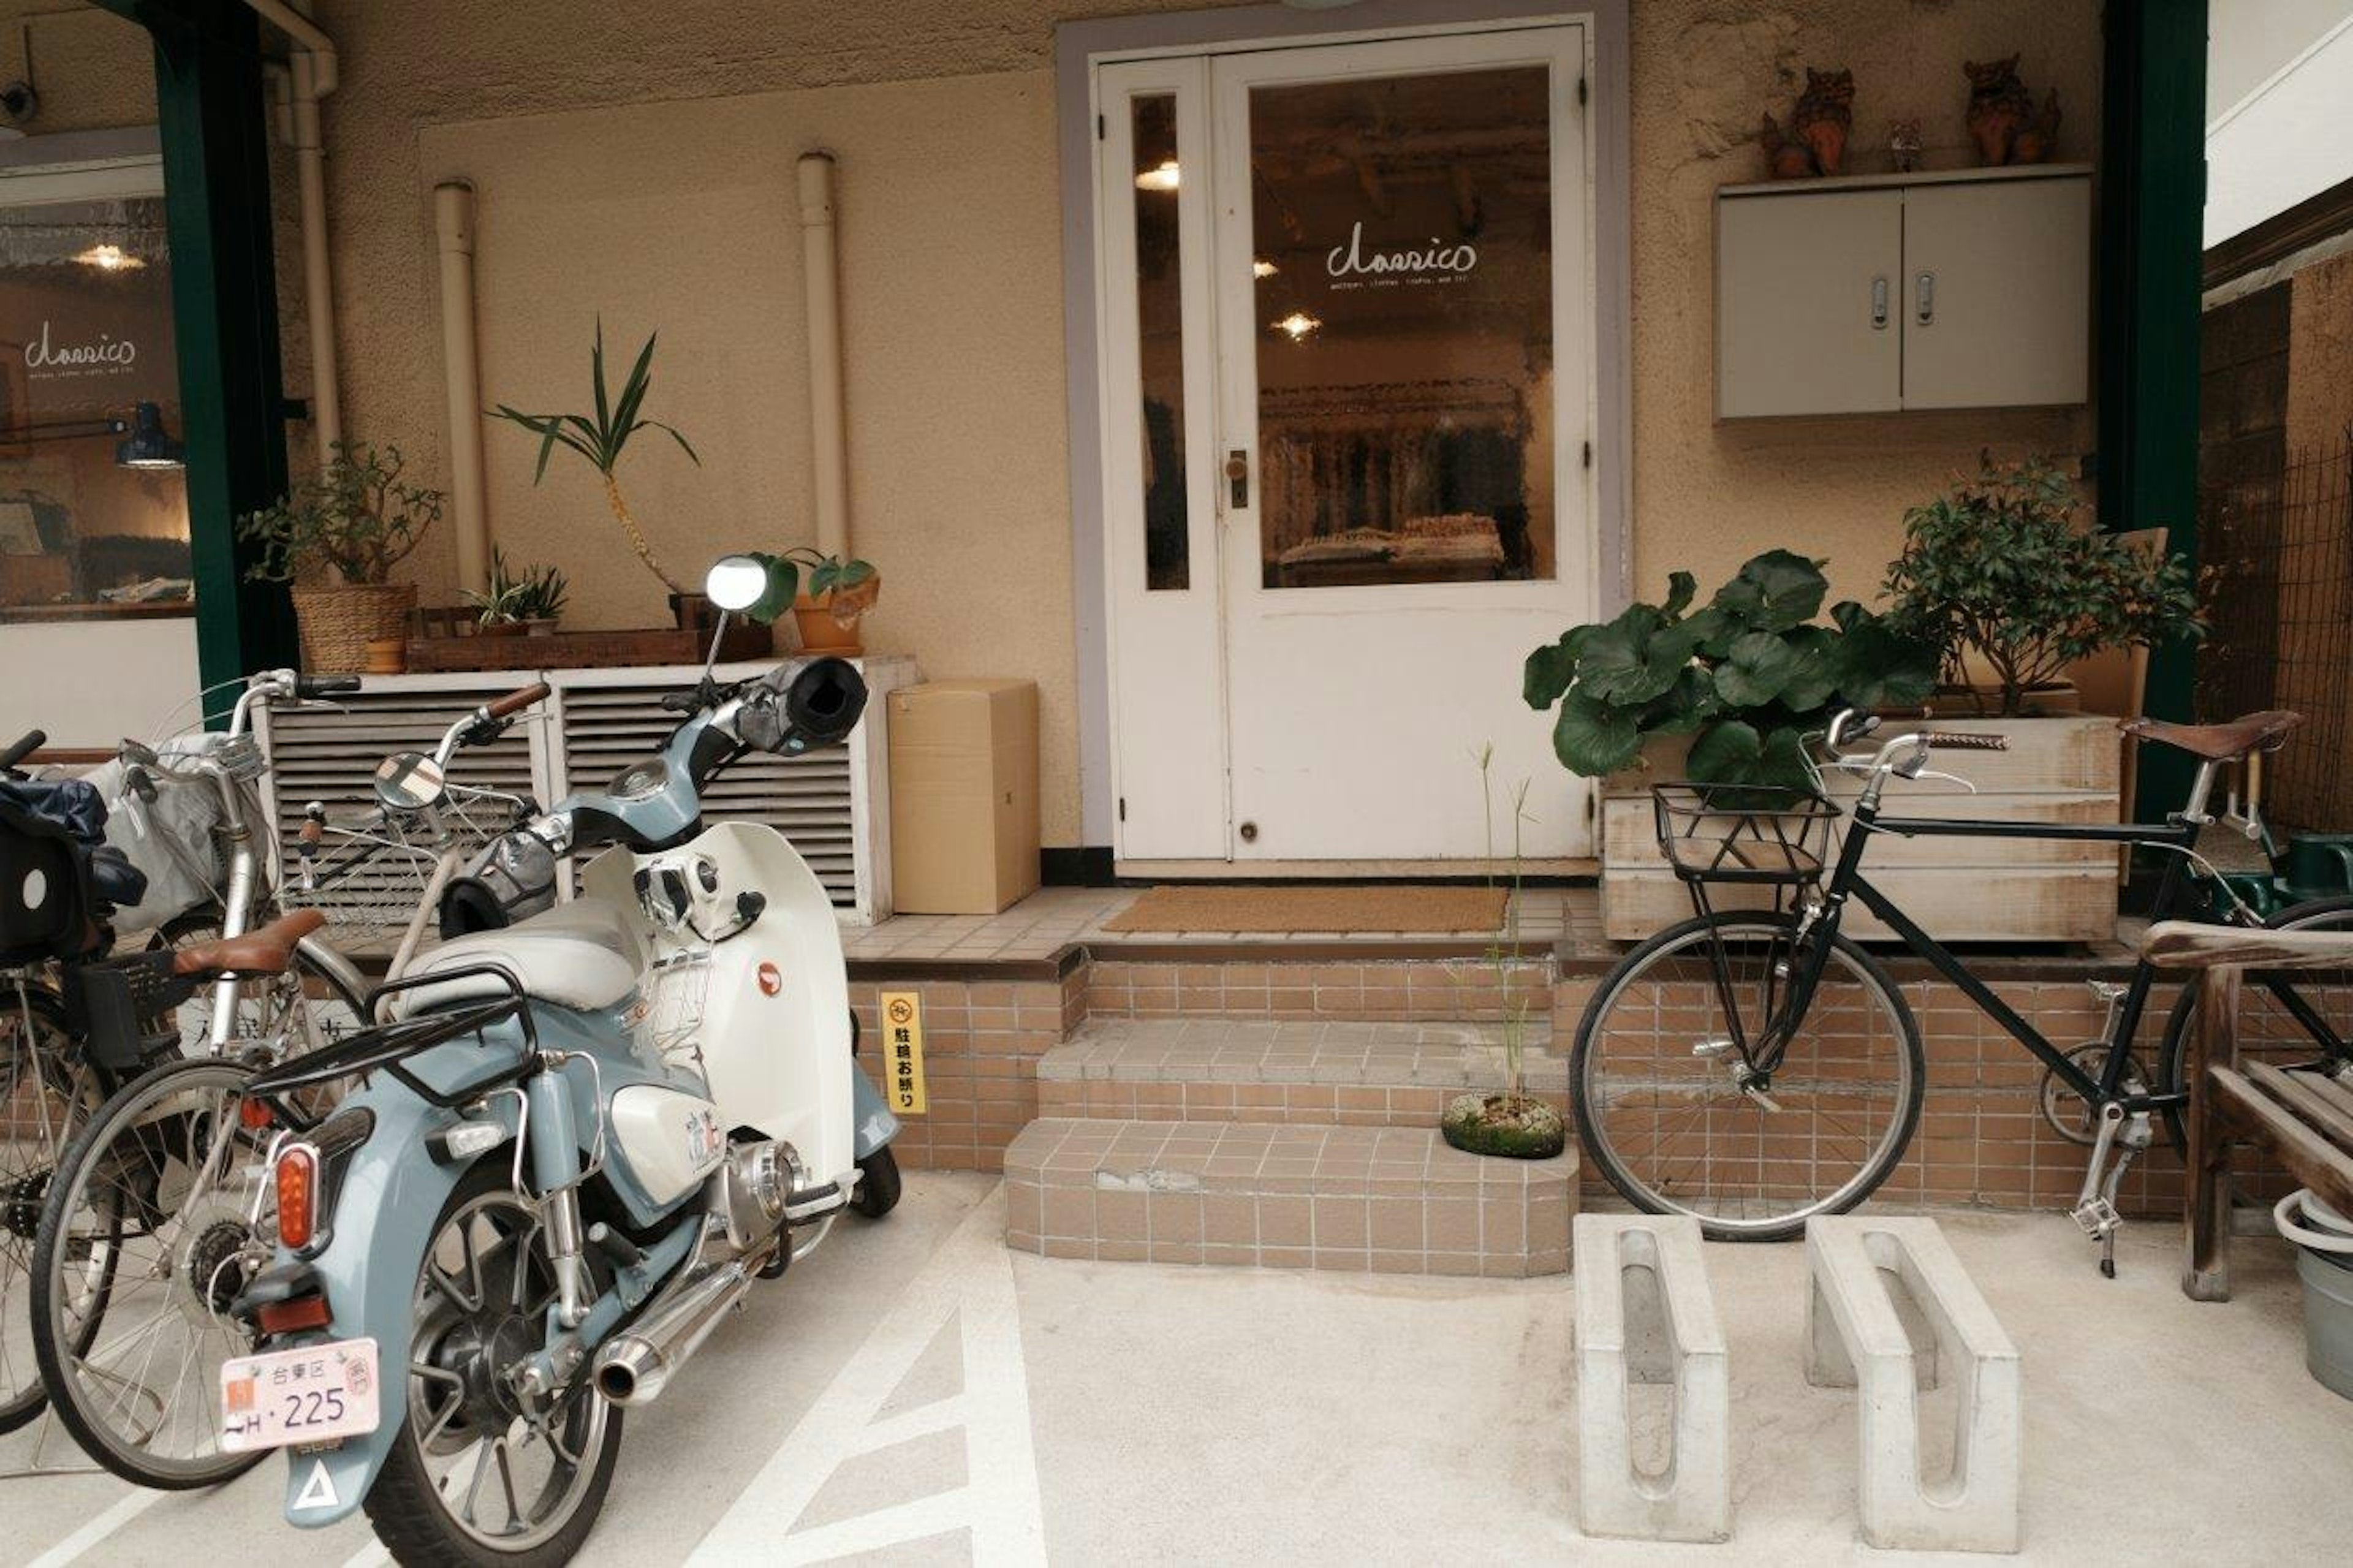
x=1083, y=50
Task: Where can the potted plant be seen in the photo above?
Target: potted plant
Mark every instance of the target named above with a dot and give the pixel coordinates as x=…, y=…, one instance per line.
x=2001, y=576
x=837, y=595
x=334, y=539
x=1727, y=693
x=516, y=603
x=539, y=597
x=600, y=439
x=1511, y=1122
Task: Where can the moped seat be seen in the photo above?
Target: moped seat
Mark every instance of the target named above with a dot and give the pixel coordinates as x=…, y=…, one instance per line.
x=581, y=955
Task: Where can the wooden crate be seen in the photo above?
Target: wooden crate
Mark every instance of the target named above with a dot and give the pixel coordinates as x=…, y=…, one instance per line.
x=1960, y=889
x=585, y=650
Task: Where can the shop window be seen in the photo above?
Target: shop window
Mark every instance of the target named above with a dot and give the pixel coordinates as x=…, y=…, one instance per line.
x=93, y=500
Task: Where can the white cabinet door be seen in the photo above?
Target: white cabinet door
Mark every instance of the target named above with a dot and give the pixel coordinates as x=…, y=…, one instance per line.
x=1805, y=300
x=1996, y=293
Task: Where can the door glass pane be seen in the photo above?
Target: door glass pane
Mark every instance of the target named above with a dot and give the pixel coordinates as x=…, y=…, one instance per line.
x=1403, y=267
x=1160, y=326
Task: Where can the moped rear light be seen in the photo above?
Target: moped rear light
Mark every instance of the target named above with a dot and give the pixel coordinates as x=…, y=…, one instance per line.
x=297, y=1179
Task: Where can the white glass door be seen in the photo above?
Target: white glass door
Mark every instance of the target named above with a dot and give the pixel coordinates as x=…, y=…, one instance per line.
x=1389, y=477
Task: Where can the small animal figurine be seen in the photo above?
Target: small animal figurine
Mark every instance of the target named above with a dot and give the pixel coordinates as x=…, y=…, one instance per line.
x=1784, y=159
x=1904, y=144
x=2038, y=137
x=1998, y=107
x=1823, y=115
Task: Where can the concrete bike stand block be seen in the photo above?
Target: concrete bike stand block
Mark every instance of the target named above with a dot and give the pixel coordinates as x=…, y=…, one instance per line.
x=1856, y=1340
x=1667, y=1334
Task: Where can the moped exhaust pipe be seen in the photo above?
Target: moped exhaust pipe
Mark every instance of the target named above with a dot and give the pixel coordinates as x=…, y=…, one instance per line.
x=633, y=1368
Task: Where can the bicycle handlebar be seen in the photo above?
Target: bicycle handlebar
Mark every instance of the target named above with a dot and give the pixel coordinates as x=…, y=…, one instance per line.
x=23, y=746
x=518, y=699
x=326, y=685
x=1962, y=741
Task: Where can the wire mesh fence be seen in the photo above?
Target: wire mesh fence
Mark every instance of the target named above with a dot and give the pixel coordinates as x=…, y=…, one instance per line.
x=2277, y=554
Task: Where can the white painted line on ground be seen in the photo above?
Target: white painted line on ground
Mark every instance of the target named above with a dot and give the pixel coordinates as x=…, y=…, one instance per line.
x=71, y=1548
x=969, y=1278
x=922, y=1422
x=368, y=1556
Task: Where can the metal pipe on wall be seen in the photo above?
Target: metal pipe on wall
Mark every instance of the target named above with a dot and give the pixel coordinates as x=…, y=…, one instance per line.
x=453, y=225
x=312, y=73
x=821, y=278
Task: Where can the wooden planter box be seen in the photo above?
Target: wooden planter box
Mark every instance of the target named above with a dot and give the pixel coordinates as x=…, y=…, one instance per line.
x=2064, y=769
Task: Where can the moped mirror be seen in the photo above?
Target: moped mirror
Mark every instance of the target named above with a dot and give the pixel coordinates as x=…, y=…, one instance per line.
x=735, y=582
x=408, y=781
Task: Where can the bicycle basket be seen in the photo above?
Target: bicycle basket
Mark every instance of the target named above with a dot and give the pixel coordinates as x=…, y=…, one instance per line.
x=124, y=1007
x=1743, y=833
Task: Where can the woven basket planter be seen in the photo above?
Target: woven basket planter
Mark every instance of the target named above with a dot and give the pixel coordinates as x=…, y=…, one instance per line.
x=337, y=623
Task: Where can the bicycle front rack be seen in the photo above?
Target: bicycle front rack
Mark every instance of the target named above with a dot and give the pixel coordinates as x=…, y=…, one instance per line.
x=1764, y=837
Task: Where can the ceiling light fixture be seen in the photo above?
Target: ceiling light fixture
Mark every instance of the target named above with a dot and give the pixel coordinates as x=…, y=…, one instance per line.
x=1263, y=268
x=1162, y=178
x=110, y=258
x=1298, y=325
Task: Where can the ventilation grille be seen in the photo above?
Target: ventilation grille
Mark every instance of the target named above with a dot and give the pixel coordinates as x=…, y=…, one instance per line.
x=330, y=755
x=606, y=728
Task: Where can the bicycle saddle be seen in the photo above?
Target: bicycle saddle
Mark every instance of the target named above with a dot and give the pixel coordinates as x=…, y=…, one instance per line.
x=266, y=950
x=2219, y=742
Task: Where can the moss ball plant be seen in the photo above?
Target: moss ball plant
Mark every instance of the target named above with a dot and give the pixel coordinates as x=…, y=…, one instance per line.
x=1518, y=1127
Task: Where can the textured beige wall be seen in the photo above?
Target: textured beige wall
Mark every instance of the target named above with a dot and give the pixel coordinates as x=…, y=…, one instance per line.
x=2320, y=356
x=637, y=161
x=1708, y=495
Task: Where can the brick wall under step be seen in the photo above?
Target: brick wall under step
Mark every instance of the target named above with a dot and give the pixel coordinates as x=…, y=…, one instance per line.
x=1368, y=988
x=982, y=1039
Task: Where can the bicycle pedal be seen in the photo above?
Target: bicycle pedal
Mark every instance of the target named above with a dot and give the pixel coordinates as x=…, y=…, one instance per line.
x=2098, y=1217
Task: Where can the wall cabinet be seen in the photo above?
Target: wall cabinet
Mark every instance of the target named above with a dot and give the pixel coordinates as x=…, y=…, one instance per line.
x=1960, y=289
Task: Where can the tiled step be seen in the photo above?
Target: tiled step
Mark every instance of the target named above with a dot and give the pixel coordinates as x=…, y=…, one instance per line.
x=1386, y=1200
x=1358, y=986
x=1333, y=1072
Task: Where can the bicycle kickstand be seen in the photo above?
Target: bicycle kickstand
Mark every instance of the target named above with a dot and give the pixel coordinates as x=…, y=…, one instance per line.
x=2095, y=1204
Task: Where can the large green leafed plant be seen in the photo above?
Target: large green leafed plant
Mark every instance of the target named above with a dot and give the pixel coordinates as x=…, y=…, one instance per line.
x=1748, y=676
x=1999, y=569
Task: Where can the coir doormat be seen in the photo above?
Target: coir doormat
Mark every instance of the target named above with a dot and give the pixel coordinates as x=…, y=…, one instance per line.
x=1389, y=910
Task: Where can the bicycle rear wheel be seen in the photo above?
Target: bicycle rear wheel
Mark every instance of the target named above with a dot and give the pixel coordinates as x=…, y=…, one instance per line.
x=1658, y=1106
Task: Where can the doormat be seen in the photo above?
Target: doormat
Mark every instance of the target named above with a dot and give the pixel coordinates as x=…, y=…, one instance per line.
x=1389, y=910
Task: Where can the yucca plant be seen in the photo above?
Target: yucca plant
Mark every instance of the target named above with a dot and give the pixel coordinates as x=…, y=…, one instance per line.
x=602, y=437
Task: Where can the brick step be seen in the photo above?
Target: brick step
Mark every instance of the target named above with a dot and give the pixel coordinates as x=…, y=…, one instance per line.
x=1256, y=1070
x=1371, y=986
x=1383, y=1200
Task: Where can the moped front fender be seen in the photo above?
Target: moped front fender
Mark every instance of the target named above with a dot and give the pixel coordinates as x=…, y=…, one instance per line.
x=391, y=1192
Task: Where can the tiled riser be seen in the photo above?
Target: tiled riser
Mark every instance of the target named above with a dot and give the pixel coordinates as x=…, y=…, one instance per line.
x=1389, y=1202
x=1442, y=989
x=981, y=1046
x=1335, y=1104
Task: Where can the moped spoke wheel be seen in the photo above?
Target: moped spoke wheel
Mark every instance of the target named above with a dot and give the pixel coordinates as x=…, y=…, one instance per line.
x=147, y=1238
x=48, y=1093
x=482, y=1470
x=1681, y=1122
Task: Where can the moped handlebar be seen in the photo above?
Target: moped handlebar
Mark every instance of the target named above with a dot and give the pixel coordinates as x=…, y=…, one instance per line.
x=326, y=685
x=515, y=702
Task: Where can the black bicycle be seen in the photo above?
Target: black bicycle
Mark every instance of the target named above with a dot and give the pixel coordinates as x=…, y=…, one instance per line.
x=1753, y=1067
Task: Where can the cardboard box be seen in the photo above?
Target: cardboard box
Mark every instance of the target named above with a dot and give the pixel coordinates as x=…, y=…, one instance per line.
x=964, y=796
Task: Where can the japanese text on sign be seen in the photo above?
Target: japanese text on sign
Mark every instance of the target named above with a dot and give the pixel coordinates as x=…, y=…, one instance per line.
x=902, y=1051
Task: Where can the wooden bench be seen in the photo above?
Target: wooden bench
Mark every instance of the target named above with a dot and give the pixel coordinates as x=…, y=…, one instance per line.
x=2301, y=1119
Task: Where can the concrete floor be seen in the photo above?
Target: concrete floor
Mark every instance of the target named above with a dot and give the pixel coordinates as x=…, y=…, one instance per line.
x=913, y=1394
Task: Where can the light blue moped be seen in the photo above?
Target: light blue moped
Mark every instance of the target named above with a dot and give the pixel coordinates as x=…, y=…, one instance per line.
x=576, y=1143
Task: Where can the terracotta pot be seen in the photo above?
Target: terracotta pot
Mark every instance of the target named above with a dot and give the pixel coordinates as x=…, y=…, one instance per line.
x=820, y=633
x=336, y=624
x=387, y=656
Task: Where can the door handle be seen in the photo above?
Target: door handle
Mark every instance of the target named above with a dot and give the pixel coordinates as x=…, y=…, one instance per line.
x=1878, y=303
x=1925, y=301
x=1238, y=478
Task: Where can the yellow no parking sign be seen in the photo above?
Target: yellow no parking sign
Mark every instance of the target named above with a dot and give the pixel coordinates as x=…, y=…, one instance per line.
x=902, y=1051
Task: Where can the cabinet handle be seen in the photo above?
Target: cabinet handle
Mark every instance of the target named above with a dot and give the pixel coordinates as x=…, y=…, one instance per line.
x=1879, y=304
x=1927, y=286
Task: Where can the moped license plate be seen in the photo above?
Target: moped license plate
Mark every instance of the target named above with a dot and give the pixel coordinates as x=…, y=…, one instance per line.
x=318, y=1393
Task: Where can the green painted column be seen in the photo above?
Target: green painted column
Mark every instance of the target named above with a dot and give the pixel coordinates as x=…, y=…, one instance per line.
x=2152, y=206
x=211, y=110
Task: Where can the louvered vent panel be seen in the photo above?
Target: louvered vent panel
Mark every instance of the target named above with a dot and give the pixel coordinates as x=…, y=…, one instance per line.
x=606, y=728
x=331, y=755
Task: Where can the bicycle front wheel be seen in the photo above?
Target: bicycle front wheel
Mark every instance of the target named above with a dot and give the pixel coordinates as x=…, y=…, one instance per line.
x=1660, y=1105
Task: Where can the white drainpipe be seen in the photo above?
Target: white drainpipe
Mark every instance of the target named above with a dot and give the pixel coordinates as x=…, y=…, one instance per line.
x=453, y=223
x=821, y=272
x=314, y=74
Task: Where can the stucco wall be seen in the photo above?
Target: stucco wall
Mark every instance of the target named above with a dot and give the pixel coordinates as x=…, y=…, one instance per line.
x=637, y=161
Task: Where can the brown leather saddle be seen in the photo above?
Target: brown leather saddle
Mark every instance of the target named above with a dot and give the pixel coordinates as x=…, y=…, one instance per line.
x=265, y=950
x=2262, y=731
